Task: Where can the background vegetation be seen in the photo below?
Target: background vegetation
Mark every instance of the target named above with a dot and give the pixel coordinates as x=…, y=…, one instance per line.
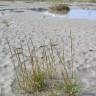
x=56, y=0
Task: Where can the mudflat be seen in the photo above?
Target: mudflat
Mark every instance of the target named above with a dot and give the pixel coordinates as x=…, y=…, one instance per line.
x=41, y=28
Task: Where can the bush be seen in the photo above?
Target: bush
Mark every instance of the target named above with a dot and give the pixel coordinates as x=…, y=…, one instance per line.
x=59, y=9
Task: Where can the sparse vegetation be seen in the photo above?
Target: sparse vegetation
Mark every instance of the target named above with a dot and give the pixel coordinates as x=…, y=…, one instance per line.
x=37, y=71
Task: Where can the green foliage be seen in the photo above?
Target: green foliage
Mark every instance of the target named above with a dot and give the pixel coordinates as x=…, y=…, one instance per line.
x=72, y=89
x=39, y=81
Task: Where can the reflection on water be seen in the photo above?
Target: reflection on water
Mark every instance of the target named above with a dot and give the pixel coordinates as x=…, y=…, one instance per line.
x=77, y=14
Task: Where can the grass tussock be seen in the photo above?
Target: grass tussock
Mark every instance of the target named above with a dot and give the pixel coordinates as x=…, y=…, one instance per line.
x=37, y=71
x=6, y=23
x=59, y=9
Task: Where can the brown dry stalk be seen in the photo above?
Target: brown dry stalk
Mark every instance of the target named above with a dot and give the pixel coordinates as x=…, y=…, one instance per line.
x=13, y=62
x=25, y=69
x=72, y=57
x=31, y=56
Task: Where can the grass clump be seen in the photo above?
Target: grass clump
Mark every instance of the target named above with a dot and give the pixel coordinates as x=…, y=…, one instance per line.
x=70, y=85
x=39, y=81
x=29, y=75
x=33, y=83
x=59, y=9
x=71, y=88
x=37, y=71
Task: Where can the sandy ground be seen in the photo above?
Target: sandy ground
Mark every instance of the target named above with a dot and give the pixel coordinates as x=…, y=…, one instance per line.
x=42, y=28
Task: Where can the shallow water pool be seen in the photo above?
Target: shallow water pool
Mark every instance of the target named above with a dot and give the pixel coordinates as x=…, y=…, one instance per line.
x=77, y=14
x=74, y=13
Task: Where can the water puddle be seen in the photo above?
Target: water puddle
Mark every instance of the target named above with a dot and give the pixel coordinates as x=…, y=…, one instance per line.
x=76, y=14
